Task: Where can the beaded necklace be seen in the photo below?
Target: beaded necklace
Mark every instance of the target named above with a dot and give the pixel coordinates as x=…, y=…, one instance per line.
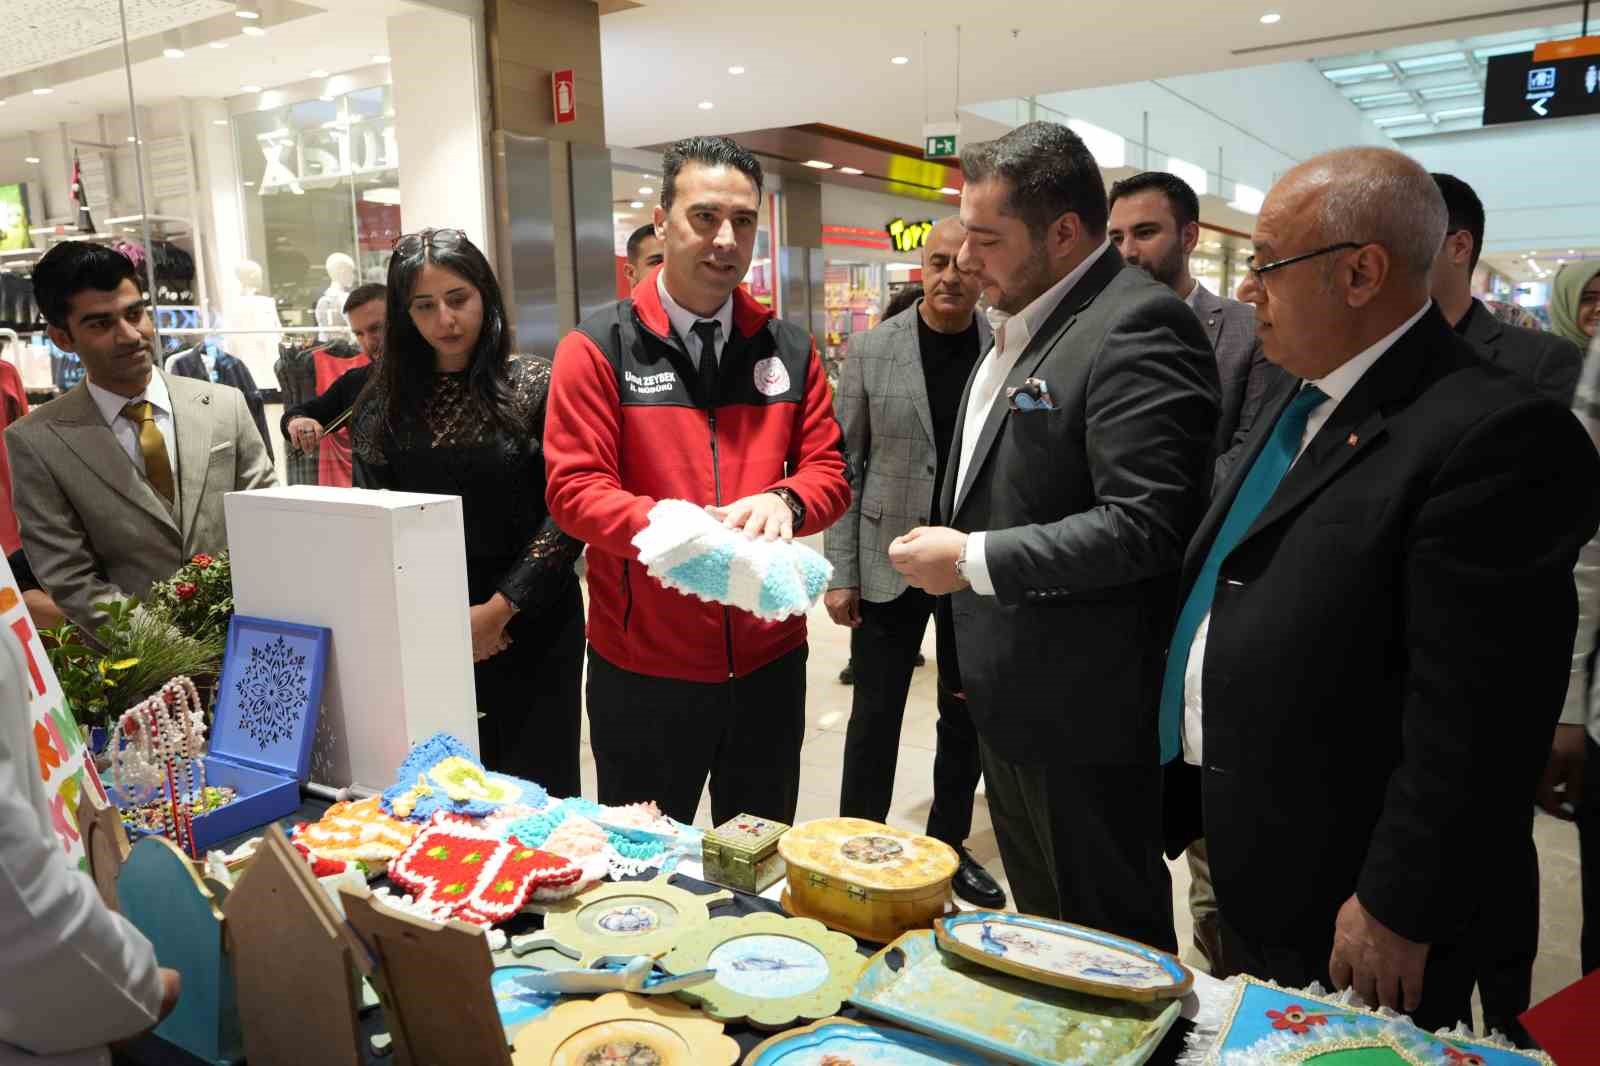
x=161, y=742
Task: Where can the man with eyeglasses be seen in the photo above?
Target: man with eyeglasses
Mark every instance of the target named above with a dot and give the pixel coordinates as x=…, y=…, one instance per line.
x=1378, y=614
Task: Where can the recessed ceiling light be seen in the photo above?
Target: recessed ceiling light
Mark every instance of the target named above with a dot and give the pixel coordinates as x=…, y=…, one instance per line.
x=818, y=164
x=645, y=190
x=219, y=122
x=318, y=73
x=849, y=170
x=1572, y=251
x=246, y=13
x=172, y=53
x=636, y=204
x=326, y=99
x=1270, y=17
x=31, y=159
x=735, y=71
x=254, y=31
x=706, y=105
x=249, y=184
x=900, y=61
x=130, y=140
x=380, y=59
x=948, y=191
x=219, y=44
x=249, y=88
x=43, y=92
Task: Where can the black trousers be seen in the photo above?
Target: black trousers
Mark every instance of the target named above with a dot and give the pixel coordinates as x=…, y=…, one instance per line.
x=530, y=697
x=1506, y=937
x=883, y=654
x=1588, y=818
x=658, y=738
x=1446, y=982
x=1083, y=844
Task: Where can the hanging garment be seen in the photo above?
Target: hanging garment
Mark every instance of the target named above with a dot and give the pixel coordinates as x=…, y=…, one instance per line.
x=333, y=459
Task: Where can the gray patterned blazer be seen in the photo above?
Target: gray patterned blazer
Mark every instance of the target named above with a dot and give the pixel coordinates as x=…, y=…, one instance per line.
x=882, y=404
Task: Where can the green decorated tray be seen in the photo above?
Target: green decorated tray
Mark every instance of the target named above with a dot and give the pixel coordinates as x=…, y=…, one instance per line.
x=628, y=918
x=771, y=970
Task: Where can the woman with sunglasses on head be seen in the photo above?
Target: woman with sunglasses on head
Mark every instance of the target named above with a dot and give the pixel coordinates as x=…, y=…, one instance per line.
x=450, y=409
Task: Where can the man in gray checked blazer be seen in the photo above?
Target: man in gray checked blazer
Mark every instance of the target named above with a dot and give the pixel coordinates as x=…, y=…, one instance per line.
x=898, y=396
x=120, y=481
x=1155, y=224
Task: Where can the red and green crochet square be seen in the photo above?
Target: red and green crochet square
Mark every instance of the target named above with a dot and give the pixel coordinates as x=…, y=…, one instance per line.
x=456, y=864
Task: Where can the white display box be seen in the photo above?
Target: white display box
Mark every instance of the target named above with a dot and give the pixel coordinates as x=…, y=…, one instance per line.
x=387, y=572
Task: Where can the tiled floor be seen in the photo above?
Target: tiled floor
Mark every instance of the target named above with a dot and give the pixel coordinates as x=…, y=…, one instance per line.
x=828, y=711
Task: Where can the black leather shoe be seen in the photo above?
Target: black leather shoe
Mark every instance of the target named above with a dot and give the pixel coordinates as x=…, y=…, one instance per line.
x=975, y=885
x=847, y=676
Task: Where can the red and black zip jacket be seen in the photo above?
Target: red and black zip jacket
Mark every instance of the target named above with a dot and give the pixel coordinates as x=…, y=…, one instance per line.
x=628, y=423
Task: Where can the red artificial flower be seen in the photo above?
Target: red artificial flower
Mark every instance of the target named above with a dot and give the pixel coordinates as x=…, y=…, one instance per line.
x=1463, y=1058
x=185, y=590
x=1296, y=1019
x=202, y=560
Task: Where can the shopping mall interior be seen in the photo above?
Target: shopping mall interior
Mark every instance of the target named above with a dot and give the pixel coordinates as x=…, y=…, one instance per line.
x=258, y=160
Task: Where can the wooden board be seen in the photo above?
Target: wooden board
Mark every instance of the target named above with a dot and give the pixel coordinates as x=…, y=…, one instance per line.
x=165, y=900
x=434, y=982
x=297, y=989
x=105, y=843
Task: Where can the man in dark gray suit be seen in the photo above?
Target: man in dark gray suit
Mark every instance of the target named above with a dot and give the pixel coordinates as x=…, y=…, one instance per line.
x=897, y=402
x=1549, y=362
x=1080, y=467
x=1508, y=937
x=1155, y=224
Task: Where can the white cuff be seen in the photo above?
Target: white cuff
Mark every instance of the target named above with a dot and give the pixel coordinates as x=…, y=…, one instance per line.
x=978, y=566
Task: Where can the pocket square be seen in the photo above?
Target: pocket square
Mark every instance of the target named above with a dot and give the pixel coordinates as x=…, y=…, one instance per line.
x=1032, y=395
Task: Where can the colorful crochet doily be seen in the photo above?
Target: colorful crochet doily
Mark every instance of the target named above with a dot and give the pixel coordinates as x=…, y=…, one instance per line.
x=356, y=830
x=458, y=867
x=441, y=774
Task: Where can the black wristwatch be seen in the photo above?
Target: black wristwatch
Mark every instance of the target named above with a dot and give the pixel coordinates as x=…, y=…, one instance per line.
x=796, y=508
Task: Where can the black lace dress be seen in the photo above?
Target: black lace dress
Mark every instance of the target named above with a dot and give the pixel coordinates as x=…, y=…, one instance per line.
x=529, y=694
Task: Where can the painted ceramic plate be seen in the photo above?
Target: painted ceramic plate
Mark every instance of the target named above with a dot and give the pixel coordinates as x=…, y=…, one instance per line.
x=628, y=918
x=1064, y=955
x=517, y=1005
x=624, y=1030
x=914, y=984
x=771, y=970
x=841, y=1042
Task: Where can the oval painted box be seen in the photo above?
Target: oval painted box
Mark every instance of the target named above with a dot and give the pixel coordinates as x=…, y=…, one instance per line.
x=866, y=879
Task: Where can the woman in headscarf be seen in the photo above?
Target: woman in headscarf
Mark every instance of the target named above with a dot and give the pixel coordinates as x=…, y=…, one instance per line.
x=1575, y=302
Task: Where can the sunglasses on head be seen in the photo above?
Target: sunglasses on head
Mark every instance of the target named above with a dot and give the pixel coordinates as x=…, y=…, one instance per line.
x=411, y=243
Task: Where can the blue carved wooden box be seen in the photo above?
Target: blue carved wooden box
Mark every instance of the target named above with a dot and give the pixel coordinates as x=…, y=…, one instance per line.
x=268, y=703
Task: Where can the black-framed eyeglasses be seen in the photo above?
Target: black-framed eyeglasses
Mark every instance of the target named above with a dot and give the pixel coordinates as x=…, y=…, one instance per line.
x=411, y=243
x=1277, y=264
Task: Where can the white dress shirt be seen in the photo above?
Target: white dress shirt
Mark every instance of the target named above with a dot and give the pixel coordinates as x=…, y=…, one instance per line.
x=1336, y=386
x=683, y=321
x=1194, y=294
x=1011, y=336
x=126, y=431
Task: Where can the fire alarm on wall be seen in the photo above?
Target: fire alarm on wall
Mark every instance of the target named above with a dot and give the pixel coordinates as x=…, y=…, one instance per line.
x=563, y=97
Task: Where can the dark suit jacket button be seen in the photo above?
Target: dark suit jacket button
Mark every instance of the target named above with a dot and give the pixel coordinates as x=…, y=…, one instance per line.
x=932, y=469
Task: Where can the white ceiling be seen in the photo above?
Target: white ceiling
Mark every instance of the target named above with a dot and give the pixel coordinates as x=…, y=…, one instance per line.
x=47, y=31
x=343, y=38
x=1537, y=264
x=829, y=60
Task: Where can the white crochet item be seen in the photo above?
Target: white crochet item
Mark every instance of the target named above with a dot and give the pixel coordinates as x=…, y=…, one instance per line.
x=686, y=549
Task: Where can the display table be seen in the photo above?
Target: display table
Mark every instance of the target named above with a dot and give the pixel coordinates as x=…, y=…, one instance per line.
x=153, y=1051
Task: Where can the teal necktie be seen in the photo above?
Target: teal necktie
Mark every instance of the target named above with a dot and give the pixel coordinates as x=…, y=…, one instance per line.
x=1254, y=493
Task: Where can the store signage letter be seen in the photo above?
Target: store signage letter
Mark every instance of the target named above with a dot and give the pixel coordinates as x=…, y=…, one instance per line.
x=909, y=236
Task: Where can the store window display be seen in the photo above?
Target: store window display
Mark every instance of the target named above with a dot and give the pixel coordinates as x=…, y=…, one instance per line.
x=255, y=315
x=330, y=305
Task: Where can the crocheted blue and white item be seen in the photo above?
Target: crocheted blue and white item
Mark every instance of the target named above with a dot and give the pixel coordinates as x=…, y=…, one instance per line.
x=442, y=774
x=686, y=549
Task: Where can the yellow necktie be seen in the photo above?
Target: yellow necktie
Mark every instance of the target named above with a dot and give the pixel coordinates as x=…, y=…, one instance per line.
x=157, y=467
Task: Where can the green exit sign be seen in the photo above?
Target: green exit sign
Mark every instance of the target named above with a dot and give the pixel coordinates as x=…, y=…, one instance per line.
x=940, y=146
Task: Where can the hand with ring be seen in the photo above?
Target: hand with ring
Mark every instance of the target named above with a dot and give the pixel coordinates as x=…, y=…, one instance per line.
x=304, y=433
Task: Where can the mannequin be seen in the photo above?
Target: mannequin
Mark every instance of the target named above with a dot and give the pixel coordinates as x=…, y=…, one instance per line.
x=330, y=305
x=253, y=310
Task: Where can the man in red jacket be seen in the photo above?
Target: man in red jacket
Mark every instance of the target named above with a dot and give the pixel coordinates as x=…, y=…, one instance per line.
x=692, y=390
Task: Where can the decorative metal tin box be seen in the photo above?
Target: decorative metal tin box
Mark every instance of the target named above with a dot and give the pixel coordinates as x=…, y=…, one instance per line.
x=866, y=879
x=743, y=854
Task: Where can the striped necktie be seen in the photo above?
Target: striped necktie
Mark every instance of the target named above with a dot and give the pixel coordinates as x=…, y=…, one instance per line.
x=1277, y=455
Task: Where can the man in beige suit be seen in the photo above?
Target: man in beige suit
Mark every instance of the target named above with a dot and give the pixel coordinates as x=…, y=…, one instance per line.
x=121, y=480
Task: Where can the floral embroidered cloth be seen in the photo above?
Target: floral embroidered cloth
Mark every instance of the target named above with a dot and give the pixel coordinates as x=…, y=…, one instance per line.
x=1266, y=1025
x=686, y=549
x=356, y=830
x=442, y=774
x=457, y=868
